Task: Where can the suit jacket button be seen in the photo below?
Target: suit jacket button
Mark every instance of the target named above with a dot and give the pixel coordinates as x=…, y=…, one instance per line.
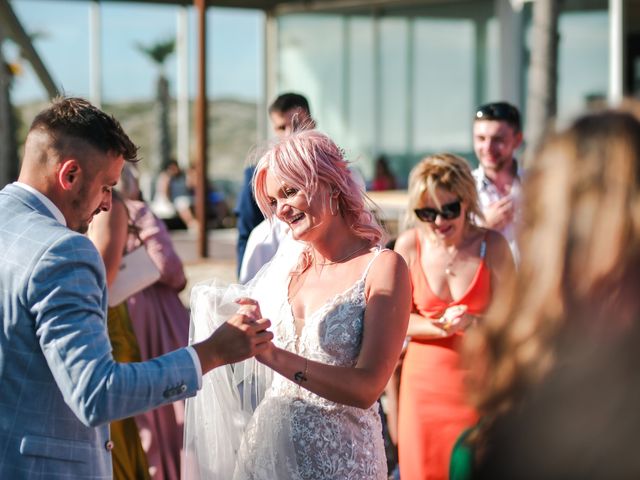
x=108, y=445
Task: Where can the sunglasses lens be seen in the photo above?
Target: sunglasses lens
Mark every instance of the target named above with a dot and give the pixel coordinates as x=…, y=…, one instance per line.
x=451, y=210
x=426, y=214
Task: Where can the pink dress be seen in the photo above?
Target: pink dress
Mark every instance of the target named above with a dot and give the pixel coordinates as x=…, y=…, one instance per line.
x=161, y=324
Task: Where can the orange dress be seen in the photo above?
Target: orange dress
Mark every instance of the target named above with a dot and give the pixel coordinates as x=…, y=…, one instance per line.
x=433, y=409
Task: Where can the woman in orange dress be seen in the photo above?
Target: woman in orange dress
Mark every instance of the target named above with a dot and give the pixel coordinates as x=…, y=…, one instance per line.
x=454, y=266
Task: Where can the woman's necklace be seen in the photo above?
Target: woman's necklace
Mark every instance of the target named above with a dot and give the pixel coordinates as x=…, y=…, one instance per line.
x=346, y=257
x=449, y=268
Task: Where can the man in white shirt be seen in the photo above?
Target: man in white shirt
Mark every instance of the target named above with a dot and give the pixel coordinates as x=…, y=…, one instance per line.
x=497, y=134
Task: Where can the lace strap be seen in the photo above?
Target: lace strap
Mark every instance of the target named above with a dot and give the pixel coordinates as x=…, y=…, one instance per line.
x=379, y=250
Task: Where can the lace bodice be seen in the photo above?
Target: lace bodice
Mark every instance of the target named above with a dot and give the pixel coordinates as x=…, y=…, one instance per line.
x=295, y=434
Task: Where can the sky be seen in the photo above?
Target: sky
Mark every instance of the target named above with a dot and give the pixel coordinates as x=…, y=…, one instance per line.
x=234, y=49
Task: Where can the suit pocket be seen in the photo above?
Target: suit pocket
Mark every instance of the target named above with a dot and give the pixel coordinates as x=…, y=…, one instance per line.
x=57, y=448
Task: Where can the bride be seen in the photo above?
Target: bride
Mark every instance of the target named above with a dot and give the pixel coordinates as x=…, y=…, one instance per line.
x=339, y=304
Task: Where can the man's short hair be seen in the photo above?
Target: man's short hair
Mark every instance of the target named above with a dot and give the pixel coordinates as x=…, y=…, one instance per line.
x=289, y=101
x=77, y=118
x=501, y=111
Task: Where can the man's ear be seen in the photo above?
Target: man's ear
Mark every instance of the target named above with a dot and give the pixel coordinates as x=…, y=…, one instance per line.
x=518, y=140
x=68, y=174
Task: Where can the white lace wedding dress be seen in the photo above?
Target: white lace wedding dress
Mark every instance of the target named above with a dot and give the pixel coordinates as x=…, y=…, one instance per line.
x=293, y=433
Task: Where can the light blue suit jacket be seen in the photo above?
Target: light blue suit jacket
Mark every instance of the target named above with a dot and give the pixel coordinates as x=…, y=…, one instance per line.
x=59, y=384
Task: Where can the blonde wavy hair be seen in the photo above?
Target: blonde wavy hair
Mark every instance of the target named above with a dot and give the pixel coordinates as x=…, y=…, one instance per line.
x=580, y=264
x=449, y=172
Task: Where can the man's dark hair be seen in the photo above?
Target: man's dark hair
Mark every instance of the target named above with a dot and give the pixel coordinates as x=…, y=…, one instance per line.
x=501, y=111
x=289, y=101
x=77, y=118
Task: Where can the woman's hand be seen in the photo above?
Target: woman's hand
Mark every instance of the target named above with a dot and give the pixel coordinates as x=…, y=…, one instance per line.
x=249, y=307
x=454, y=320
x=267, y=356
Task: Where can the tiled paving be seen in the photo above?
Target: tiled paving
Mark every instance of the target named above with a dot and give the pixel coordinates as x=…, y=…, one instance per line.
x=220, y=264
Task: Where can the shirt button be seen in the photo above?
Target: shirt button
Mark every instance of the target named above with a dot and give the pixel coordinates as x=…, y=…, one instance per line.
x=183, y=388
x=108, y=445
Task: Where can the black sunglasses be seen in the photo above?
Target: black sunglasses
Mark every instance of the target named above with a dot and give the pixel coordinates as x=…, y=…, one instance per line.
x=448, y=212
x=499, y=111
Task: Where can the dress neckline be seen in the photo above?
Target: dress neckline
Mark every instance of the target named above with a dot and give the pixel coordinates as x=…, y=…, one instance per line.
x=359, y=283
x=472, y=284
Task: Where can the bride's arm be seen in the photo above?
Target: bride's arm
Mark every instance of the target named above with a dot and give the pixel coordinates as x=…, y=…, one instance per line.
x=385, y=325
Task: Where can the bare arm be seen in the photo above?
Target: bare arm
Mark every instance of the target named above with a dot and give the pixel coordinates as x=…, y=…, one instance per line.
x=385, y=323
x=419, y=326
x=108, y=232
x=423, y=328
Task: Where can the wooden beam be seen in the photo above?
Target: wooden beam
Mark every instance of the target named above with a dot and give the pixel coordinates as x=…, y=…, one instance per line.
x=201, y=128
x=13, y=28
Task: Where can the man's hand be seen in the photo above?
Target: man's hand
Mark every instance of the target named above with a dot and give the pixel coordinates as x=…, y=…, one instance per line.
x=243, y=336
x=500, y=213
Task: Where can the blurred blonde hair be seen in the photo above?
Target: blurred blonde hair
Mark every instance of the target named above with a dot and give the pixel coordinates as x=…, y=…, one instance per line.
x=579, y=274
x=449, y=172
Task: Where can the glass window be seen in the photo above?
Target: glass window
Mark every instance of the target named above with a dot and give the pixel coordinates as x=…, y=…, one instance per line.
x=393, y=86
x=311, y=63
x=444, y=84
x=583, y=60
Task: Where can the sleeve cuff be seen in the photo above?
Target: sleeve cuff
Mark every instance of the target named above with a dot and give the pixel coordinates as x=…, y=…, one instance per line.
x=196, y=362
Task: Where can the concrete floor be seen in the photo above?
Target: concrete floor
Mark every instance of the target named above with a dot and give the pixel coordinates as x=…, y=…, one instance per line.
x=221, y=263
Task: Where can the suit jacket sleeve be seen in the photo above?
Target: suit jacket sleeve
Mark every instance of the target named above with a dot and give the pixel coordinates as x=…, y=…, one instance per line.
x=66, y=296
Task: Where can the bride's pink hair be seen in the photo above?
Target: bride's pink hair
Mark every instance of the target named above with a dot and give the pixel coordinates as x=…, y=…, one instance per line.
x=308, y=160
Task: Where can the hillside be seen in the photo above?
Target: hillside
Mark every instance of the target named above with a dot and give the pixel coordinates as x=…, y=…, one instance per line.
x=232, y=135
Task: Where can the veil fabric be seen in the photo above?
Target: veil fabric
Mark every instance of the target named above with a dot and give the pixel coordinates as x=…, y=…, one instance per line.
x=218, y=416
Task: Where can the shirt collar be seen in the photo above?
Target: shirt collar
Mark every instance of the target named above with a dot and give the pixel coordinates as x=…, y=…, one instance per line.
x=517, y=172
x=55, y=211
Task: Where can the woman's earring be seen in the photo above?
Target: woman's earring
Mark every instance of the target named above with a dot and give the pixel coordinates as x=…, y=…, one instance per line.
x=331, y=206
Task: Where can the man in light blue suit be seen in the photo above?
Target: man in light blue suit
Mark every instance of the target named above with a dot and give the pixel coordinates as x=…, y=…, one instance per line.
x=59, y=384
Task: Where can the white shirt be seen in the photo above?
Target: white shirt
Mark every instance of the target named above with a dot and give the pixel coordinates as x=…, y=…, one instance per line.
x=488, y=193
x=262, y=245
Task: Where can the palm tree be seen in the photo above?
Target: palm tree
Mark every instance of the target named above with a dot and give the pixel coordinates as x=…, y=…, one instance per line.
x=158, y=53
x=543, y=77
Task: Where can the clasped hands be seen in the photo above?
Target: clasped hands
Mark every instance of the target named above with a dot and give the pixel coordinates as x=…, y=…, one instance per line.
x=243, y=336
x=454, y=319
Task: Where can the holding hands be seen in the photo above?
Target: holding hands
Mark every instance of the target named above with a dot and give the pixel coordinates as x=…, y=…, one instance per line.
x=243, y=336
